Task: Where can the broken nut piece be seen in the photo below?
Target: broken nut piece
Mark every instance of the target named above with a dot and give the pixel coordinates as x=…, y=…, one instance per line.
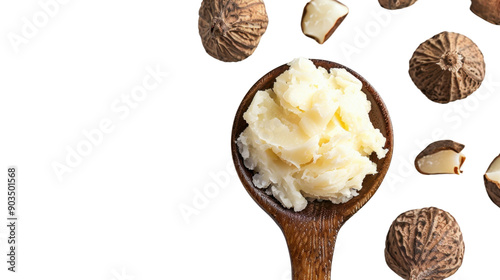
x=441, y=157
x=321, y=18
x=492, y=181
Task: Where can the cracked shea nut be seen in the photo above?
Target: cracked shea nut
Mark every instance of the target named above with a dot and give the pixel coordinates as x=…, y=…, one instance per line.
x=321, y=18
x=488, y=10
x=396, y=4
x=447, y=67
x=441, y=157
x=230, y=30
x=424, y=244
x=492, y=181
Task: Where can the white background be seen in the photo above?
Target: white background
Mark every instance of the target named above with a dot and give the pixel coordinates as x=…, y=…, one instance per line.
x=118, y=214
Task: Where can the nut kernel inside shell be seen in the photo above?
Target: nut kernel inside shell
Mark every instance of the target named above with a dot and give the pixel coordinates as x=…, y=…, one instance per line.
x=494, y=176
x=493, y=171
x=321, y=18
x=492, y=181
x=441, y=163
x=440, y=157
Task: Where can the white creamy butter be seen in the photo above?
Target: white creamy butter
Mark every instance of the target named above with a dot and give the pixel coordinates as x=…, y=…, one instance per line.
x=310, y=136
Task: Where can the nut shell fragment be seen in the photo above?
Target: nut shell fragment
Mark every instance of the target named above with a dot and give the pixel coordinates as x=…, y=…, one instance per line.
x=424, y=244
x=440, y=157
x=230, y=30
x=321, y=18
x=396, y=4
x=447, y=67
x=492, y=181
x=488, y=10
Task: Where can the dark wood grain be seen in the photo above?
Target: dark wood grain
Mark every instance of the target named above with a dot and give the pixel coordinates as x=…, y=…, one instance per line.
x=312, y=232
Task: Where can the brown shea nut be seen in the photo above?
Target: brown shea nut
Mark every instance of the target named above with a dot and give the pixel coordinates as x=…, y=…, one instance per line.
x=492, y=181
x=488, y=10
x=440, y=157
x=396, y=4
x=424, y=244
x=447, y=67
x=230, y=30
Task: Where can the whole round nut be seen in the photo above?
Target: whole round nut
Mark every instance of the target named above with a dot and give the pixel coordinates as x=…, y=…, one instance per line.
x=230, y=30
x=396, y=4
x=447, y=67
x=424, y=244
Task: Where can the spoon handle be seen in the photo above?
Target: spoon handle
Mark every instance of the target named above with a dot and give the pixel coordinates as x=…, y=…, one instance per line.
x=311, y=243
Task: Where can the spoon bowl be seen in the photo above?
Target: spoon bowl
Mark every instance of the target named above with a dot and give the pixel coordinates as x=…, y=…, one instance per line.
x=312, y=232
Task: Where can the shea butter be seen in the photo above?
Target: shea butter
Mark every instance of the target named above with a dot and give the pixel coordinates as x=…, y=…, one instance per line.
x=310, y=136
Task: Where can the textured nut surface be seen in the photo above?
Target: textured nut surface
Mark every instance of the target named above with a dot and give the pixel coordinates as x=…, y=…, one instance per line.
x=230, y=30
x=488, y=10
x=396, y=4
x=447, y=67
x=492, y=181
x=424, y=244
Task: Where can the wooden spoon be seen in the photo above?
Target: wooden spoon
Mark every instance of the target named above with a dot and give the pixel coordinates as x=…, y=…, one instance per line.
x=311, y=233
